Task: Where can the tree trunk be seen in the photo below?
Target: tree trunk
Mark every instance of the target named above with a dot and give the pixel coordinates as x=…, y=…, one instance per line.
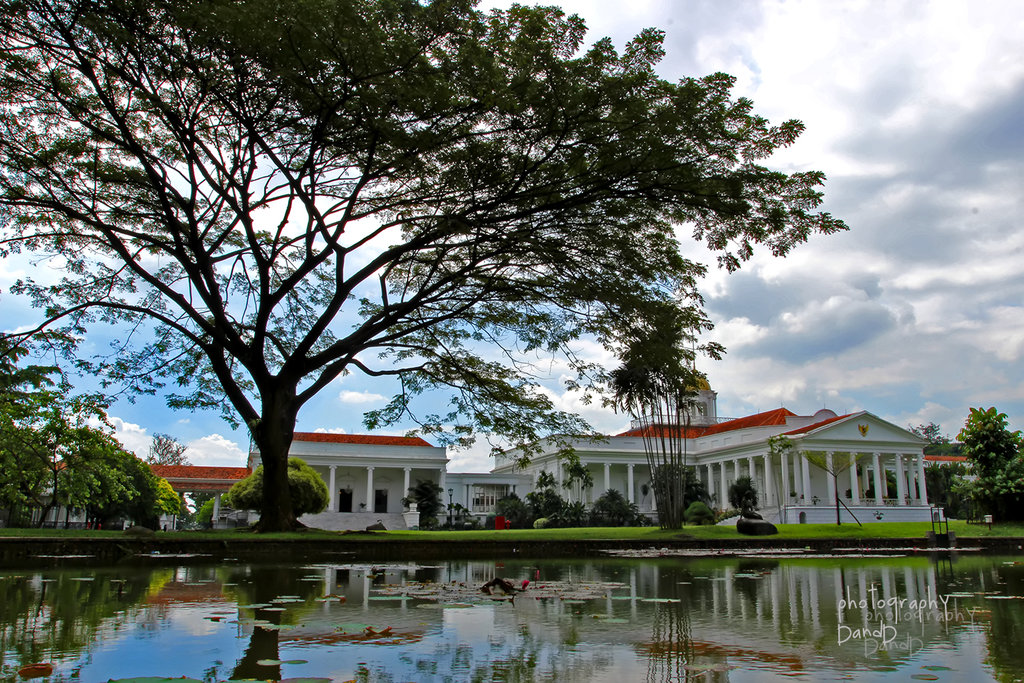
x=273, y=436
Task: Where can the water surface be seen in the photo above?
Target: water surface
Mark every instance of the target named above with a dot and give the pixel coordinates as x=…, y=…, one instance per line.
x=666, y=619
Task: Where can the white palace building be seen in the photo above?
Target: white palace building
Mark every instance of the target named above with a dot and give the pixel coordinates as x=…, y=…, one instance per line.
x=875, y=468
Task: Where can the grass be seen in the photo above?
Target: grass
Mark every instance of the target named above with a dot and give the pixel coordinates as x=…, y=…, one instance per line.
x=624, y=534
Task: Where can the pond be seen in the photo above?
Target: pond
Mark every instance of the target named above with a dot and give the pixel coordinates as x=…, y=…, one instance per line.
x=659, y=619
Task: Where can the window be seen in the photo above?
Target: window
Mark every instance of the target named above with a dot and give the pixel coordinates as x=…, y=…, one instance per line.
x=486, y=495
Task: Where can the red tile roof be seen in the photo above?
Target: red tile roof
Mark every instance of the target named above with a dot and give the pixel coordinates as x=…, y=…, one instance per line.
x=197, y=472
x=361, y=439
x=765, y=419
x=946, y=458
x=812, y=427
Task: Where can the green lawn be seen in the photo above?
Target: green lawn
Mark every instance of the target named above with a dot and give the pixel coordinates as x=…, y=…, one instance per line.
x=642, y=534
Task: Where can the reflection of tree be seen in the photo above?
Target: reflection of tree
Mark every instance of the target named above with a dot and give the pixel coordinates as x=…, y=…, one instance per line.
x=1006, y=626
x=260, y=585
x=670, y=650
x=49, y=617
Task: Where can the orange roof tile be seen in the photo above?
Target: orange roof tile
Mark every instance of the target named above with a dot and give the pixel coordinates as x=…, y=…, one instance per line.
x=199, y=472
x=362, y=439
x=946, y=458
x=812, y=427
x=765, y=419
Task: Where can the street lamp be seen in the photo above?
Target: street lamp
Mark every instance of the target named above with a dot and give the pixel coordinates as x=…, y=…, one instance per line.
x=450, y=493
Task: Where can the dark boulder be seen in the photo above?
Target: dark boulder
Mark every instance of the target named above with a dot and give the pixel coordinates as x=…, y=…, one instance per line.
x=755, y=527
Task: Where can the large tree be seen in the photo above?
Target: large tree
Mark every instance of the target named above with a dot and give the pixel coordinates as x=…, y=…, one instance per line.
x=268, y=195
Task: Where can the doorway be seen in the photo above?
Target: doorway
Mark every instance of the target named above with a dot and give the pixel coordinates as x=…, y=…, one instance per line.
x=380, y=500
x=345, y=500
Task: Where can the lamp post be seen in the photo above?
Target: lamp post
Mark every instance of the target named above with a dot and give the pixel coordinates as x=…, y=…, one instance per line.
x=450, y=493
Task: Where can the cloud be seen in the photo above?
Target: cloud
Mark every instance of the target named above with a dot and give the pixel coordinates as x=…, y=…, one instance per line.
x=133, y=437
x=215, y=450
x=357, y=397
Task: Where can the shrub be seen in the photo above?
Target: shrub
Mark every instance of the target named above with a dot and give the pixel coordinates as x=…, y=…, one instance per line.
x=612, y=509
x=541, y=523
x=307, y=488
x=699, y=513
x=514, y=511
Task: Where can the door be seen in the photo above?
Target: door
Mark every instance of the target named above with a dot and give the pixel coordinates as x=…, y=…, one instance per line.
x=380, y=500
x=345, y=500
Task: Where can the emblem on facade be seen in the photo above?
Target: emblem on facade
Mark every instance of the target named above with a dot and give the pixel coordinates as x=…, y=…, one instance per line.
x=863, y=429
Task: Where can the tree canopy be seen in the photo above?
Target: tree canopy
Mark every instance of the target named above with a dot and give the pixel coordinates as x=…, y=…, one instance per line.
x=270, y=195
x=995, y=458
x=307, y=489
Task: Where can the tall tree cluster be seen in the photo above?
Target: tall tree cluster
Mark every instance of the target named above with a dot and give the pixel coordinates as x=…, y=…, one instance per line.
x=57, y=452
x=271, y=195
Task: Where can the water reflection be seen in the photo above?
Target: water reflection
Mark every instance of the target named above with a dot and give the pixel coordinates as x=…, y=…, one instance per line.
x=671, y=619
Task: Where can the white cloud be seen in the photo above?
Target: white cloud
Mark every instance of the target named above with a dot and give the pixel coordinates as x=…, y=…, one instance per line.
x=330, y=430
x=133, y=437
x=215, y=450
x=348, y=396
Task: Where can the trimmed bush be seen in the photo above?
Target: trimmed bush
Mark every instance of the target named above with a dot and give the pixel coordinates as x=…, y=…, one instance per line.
x=699, y=513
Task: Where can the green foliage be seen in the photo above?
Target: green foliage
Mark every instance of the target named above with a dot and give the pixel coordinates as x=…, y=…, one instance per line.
x=427, y=496
x=513, y=509
x=308, y=490
x=53, y=454
x=743, y=495
x=994, y=454
x=204, y=515
x=471, y=176
x=699, y=513
x=612, y=509
x=168, y=502
x=570, y=515
x=544, y=501
x=944, y=483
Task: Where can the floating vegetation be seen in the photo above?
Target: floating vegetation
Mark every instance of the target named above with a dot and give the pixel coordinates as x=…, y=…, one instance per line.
x=279, y=662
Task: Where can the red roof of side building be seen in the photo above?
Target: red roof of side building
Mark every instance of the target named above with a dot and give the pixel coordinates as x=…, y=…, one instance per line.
x=945, y=458
x=361, y=439
x=198, y=472
x=765, y=419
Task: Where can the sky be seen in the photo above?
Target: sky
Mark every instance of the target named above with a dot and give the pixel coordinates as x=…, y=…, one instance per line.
x=914, y=111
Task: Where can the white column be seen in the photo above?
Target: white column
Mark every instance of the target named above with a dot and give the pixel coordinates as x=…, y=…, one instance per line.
x=854, y=481
x=923, y=487
x=333, y=489
x=769, y=490
x=879, y=479
x=751, y=469
x=405, y=485
x=710, y=488
x=784, y=462
x=736, y=470
x=442, y=480
x=805, y=476
x=607, y=476
x=830, y=480
x=723, y=499
x=901, y=480
x=216, y=507
x=369, y=489
x=629, y=482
